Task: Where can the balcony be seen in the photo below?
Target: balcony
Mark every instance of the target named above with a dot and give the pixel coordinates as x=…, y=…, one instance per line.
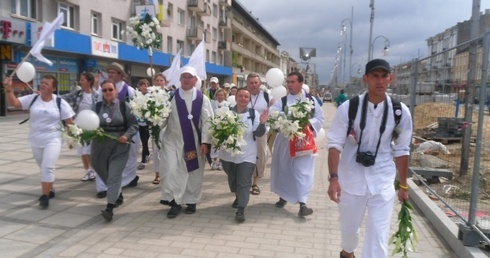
x=194, y=33
x=222, y=45
x=201, y=7
x=225, y=3
x=223, y=22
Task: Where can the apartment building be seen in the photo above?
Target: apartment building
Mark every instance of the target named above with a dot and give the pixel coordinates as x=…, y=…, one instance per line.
x=92, y=36
x=252, y=48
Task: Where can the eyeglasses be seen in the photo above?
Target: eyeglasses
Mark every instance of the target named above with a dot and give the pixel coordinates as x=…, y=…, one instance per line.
x=107, y=90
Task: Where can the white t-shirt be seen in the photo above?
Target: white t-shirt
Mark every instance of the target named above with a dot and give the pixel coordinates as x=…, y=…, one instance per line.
x=86, y=102
x=45, y=122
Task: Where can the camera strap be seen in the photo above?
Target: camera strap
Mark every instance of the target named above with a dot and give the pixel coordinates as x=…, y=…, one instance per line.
x=363, y=122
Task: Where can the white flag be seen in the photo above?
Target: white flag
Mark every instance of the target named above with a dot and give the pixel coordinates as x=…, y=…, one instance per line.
x=198, y=60
x=173, y=73
x=48, y=31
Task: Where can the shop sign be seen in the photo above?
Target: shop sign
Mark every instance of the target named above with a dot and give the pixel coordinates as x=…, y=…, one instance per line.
x=6, y=53
x=12, y=30
x=105, y=48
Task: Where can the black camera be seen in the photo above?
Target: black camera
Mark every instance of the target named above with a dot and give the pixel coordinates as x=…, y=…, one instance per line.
x=367, y=159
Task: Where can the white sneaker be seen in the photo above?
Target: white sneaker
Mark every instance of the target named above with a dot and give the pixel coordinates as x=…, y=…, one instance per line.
x=89, y=176
x=214, y=166
x=141, y=166
x=220, y=167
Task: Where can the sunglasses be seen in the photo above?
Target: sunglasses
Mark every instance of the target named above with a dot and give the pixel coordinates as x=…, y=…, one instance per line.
x=107, y=90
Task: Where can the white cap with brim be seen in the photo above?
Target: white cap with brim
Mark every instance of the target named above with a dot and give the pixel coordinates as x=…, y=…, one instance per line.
x=214, y=79
x=188, y=69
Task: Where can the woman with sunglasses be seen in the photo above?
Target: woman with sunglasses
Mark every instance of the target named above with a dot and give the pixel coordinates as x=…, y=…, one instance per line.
x=109, y=156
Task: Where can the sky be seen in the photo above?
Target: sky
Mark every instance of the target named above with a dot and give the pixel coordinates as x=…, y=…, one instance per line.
x=316, y=24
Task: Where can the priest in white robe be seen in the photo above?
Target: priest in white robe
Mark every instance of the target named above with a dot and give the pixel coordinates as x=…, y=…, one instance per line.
x=292, y=178
x=185, y=145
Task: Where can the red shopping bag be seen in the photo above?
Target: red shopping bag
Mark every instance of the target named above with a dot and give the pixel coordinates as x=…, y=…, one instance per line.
x=303, y=146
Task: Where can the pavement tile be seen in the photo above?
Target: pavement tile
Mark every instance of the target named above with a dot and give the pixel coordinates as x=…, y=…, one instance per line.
x=35, y=234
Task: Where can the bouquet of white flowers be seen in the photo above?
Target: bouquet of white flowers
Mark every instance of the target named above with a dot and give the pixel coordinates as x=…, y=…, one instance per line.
x=72, y=134
x=227, y=131
x=292, y=122
x=144, y=32
x=153, y=107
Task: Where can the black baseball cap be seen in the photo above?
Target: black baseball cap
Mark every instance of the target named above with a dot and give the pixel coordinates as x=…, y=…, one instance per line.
x=377, y=64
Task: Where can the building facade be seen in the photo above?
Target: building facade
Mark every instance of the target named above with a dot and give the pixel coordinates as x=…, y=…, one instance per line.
x=92, y=36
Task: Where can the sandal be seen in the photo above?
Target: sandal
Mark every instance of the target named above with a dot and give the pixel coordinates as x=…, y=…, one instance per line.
x=156, y=181
x=255, y=190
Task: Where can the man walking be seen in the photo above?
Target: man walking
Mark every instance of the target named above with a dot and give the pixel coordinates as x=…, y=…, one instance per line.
x=184, y=146
x=260, y=101
x=292, y=178
x=362, y=178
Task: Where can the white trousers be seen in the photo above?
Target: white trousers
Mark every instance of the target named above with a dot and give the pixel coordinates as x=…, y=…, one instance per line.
x=379, y=210
x=46, y=158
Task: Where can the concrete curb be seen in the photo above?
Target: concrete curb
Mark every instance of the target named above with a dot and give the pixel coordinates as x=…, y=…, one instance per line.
x=444, y=226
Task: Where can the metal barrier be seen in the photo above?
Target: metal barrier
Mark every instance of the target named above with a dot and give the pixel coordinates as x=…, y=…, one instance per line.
x=444, y=120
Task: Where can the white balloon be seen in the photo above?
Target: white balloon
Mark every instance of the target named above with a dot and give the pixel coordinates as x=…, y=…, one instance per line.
x=320, y=136
x=26, y=72
x=274, y=77
x=150, y=72
x=306, y=88
x=87, y=120
x=279, y=92
x=231, y=100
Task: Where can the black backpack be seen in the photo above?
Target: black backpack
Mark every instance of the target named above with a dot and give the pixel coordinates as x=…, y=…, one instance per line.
x=354, y=103
x=58, y=103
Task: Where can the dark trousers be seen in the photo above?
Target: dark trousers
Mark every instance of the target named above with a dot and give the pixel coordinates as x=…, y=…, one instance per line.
x=239, y=180
x=144, y=136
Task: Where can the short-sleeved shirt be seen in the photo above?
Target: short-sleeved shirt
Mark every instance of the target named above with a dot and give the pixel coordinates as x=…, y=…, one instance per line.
x=45, y=119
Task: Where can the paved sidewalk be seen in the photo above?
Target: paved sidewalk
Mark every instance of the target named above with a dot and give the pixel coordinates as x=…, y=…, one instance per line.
x=72, y=225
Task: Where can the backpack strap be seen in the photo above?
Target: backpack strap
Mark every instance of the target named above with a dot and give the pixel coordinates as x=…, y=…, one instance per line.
x=98, y=105
x=251, y=113
x=353, y=104
x=30, y=105
x=397, y=110
x=266, y=97
x=122, y=107
x=284, y=101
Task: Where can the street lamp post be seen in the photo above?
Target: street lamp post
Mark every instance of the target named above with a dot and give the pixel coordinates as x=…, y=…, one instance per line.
x=386, y=49
x=342, y=31
x=370, y=46
x=340, y=60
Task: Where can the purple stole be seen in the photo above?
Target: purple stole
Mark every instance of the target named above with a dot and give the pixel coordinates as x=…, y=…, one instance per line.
x=122, y=94
x=190, y=152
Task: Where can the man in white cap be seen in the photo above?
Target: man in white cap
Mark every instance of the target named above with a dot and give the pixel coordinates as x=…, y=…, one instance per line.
x=184, y=146
x=213, y=87
x=115, y=72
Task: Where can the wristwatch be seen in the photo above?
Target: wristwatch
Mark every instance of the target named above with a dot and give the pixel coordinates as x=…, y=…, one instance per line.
x=332, y=175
